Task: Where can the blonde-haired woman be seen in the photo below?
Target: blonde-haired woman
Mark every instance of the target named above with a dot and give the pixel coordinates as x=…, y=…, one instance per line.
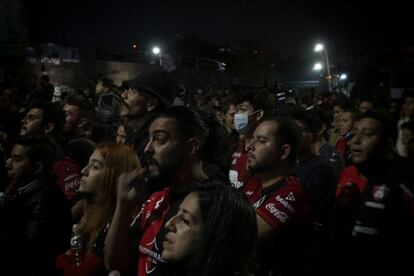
x=98, y=183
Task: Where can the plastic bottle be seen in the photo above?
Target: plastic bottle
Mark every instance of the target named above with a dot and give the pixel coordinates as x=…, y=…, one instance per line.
x=77, y=244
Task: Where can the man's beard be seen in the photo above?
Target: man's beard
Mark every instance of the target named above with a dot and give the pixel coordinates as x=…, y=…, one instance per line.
x=165, y=173
x=23, y=131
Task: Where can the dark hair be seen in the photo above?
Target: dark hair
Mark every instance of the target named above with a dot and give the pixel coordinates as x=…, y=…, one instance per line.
x=39, y=149
x=408, y=125
x=189, y=122
x=79, y=102
x=258, y=98
x=45, y=78
x=388, y=128
x=288, y=133
x=124, y=85
x=323, y=116
x=366, y=99
x=309, y=120
x=354, y=113
x=224, y=247
x=52, y=113
x=226, y=102
x=106, y=82
x=408, y=94
x=344, y=104
x=85, y=108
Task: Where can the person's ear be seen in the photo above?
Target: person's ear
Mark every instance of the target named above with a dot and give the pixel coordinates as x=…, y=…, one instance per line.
x=285, y=152
x=323, y=129
x=193, y=145
x=152, y=103
x=314, y=138
x=83, y=123
x=48, y=128
x=221, y=117
x=260, y=114
x=38, y=168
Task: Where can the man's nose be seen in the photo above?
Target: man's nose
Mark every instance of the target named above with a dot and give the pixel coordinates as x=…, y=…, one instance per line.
x=8, y=163
x=250, y=144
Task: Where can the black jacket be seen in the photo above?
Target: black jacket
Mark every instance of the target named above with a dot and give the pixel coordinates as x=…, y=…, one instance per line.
x=35, y=227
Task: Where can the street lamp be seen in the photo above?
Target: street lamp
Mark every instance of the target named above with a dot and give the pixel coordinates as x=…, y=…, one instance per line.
x=343, y=77
x=320, y=48
x=157, y=51
x=317, y=66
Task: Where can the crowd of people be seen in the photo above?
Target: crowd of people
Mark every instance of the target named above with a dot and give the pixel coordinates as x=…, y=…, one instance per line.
x=151, y=178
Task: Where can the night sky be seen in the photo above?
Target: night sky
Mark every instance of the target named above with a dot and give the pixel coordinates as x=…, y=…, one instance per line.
x=291, y=26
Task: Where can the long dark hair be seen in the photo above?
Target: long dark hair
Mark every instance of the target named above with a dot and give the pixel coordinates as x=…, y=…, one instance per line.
x=230, y=230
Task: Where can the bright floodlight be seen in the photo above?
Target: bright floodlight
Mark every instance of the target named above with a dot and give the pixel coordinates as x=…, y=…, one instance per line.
x=318, y=47
x=156, y=50
x=317, y=66
x=343, y=77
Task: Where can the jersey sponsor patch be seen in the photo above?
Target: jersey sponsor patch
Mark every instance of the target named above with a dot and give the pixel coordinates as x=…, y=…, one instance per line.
x=375, y=205
x=364, y=230
x=249, y=193
x=259, y=203
x=236, y=155
x=281, y=216
x=379, y=192
x=290, y=197
x=285, y=203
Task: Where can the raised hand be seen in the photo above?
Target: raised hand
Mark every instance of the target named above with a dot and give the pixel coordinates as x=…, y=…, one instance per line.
x=132, y=188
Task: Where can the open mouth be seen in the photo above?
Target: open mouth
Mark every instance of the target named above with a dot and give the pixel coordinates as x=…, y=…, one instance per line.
x=152, y=164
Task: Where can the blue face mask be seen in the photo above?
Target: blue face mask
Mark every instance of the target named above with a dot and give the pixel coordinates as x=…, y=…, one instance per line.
x=241, y=122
